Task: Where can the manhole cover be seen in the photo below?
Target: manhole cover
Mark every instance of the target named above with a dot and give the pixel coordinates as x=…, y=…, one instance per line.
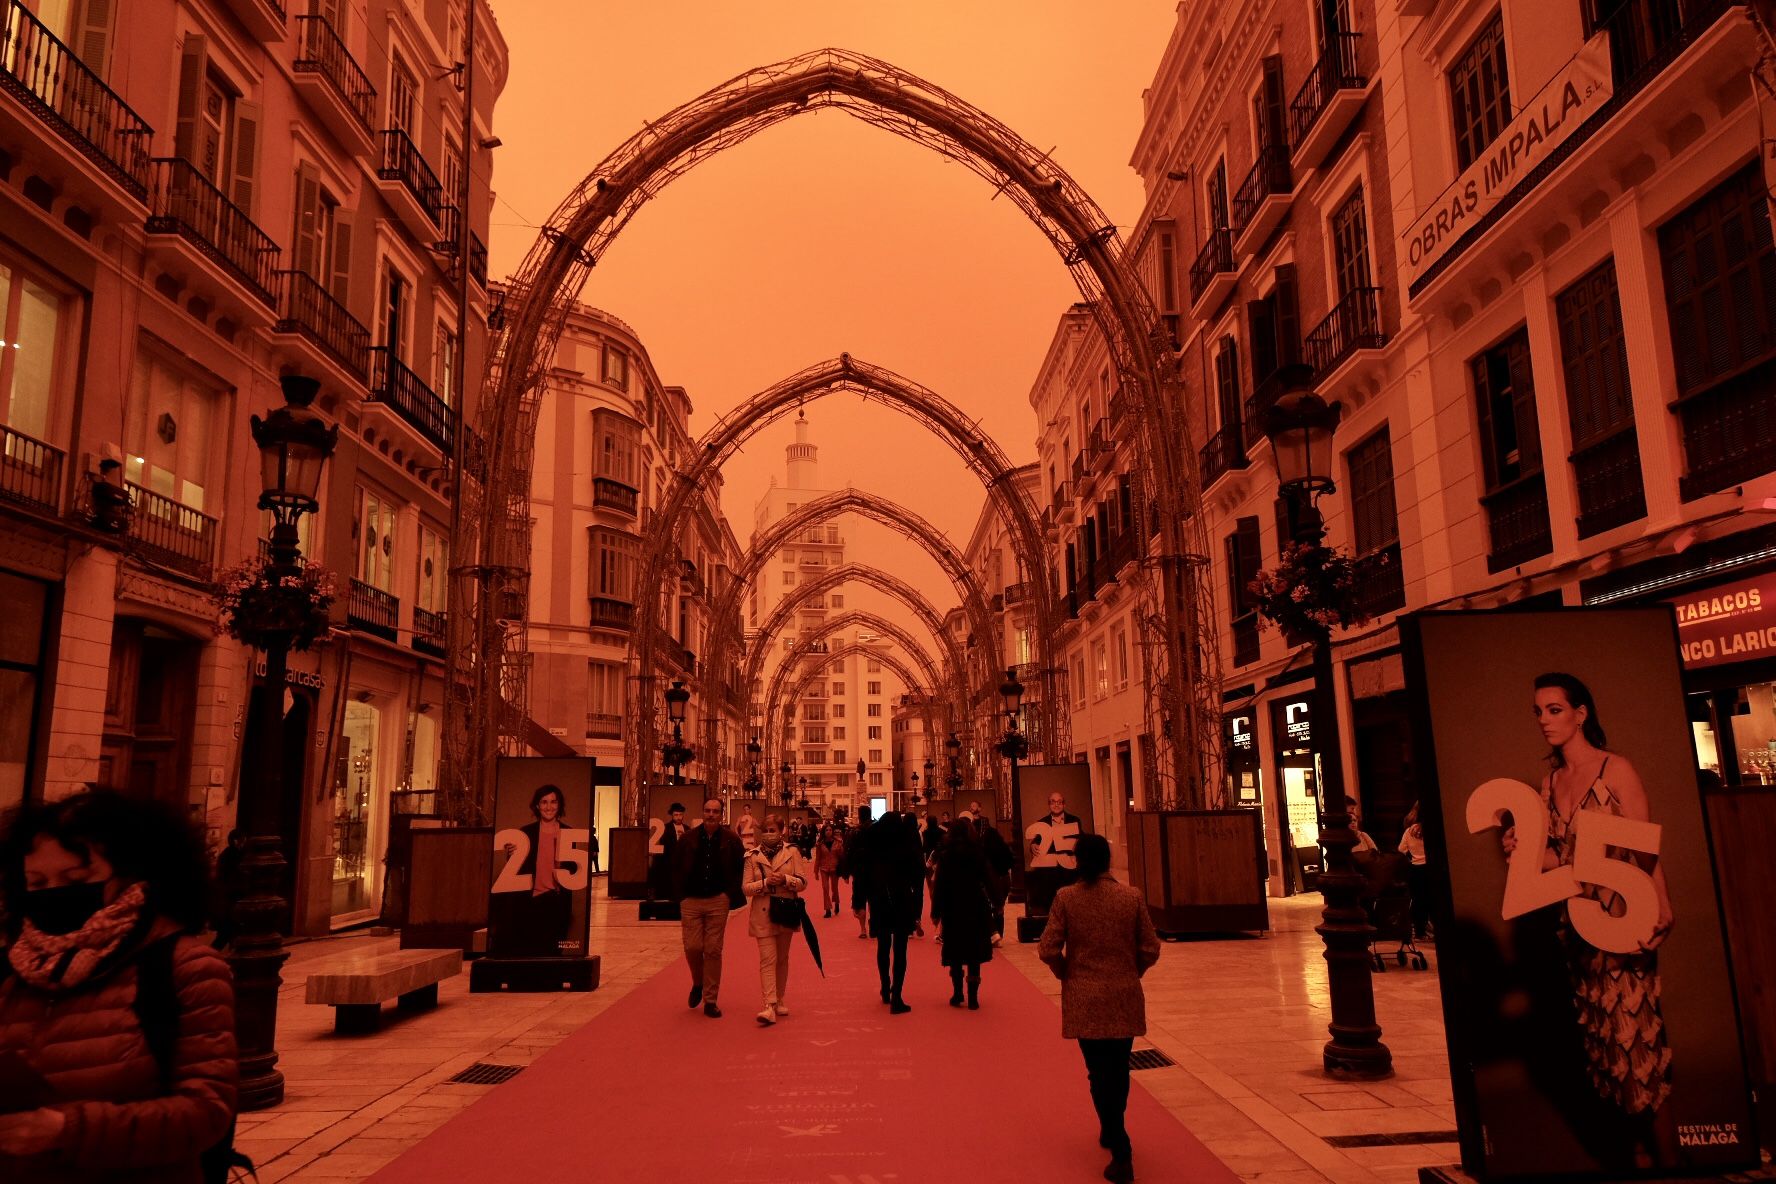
x=481, y=1073
x=1149, y=1058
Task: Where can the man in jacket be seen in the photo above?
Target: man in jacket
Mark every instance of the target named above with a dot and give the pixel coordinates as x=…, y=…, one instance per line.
x=706, y=867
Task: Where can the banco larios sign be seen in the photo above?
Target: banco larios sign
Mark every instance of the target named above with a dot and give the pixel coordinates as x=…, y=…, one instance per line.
x=1557, y=111
x=1727, y=623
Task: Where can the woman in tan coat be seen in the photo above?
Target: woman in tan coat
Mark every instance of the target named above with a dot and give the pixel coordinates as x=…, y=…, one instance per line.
x=108, y=995
x=1099, y=941
x=774, y=868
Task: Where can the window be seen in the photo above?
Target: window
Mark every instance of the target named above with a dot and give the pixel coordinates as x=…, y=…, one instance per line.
x=838, y=600
x=216, y=130
x=31, y=321
x=873, y=710
x=838, y=688
x=1100, y=658
x=875, y=780
x=616, y=367
x=1217, y=196
x=373, y=532
x=1599, y=402
x=1227, y=389
x=1720, y=281
x=873, y=688
x=875, y=755
x=403, y=92
x=842, y=780
x=1480, y=92
x=815, y=736
x=1076, y=671
x=1375, y=524
x=444, y=364
x=839, y=734
x=838, y=711
x=613, y=564
x=619, y=446
x=813, y=711
x=789, y=579
x=875, y=667
x=1244, y=558
x=875, y=732
x=434, y=571
x=1350, y=245
x=321, y=234
x=1510, y=439
x=813, y=756
x=168, y=435
x=1121, y=638
x=391, y=310
x=1273, y=328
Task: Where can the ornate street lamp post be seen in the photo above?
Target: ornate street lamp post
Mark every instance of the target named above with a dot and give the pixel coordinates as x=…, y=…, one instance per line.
x=754, y=783
x=802, y=786
x=788, y=771
x=954, y=746
x=915, y=780
x=1300, y=425
x=294, y=443
x=1014, y=747
x=677, y=752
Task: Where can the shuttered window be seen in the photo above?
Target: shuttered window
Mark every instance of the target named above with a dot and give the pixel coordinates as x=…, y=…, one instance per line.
x=1594, y=356
x=1244, y=559
x=1480, y=92
x=1273, y=324
x=1720, y=282
x=1270, y=106
x=1218, y=213
x=1375, y=522
x=1350, y=245
x=1504, y=390
x=1227, y=387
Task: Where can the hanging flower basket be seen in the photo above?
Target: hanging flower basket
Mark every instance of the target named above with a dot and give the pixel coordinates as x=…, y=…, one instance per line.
x=1311, y=591
x=256, y=607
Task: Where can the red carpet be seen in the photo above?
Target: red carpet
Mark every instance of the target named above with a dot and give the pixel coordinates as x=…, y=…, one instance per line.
x=839, y=1092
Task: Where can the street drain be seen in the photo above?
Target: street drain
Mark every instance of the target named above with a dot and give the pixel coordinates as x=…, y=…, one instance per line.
x=481, y=1073
x=1391, y=1140
x=1149, y=1058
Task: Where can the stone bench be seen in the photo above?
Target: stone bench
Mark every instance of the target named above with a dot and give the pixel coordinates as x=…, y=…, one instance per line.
x=357, y=985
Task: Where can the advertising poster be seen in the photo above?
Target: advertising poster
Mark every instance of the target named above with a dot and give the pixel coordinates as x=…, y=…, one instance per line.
x=660, y=800
x=540, y=903
x=1056, y=802
x=747, y=817
x=1586, y=994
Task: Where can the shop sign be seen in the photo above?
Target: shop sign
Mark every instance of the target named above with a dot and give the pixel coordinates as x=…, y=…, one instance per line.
x=1298, y=723
x=1239, y=732
x=1727, y=623
x=292, y=678
x=1557, y=111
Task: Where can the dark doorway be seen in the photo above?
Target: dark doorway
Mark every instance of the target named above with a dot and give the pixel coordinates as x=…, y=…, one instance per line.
x=150, y=710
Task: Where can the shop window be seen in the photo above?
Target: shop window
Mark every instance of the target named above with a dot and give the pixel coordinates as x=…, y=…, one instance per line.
x=168, y=435
x=1480, y=92
x=355, y=788
x=32, y=319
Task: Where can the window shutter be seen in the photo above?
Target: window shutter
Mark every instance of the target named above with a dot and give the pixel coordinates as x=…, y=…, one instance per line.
x=193, y=64
x=340, y=281
x=93, y=34
x=1261, y=328
x=308, y=208
x=1288, y=316
x=1523, y=404
x=1483, y=418
x=246, y=155
x=1272, y=132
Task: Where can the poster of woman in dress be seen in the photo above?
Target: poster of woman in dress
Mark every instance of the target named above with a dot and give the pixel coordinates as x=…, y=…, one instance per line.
x=1587, y=1002
x=540, y=896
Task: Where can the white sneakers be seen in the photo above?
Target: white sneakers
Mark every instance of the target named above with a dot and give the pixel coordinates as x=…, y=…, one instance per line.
x=767, y=1016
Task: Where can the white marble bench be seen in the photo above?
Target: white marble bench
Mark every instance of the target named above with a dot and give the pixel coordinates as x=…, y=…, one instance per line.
x=357, y=985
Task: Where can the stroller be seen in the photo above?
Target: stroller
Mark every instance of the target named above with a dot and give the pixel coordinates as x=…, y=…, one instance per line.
x=1387, y=899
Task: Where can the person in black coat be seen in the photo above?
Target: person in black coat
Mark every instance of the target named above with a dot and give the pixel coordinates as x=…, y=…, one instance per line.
x=896, y=870
x=856, y=869
x=706, y=883
x=961, y=902
x=997, y=853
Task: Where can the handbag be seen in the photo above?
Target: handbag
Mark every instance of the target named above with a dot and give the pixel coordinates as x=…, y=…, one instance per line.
x=786, y=911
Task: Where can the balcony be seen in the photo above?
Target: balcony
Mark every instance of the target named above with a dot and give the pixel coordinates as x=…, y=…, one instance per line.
x=1517, y=522
x=330, y=80
x=1381, y=588
x=1729, y=432
x=1645, y=36
x=170, y=534
x=184, y=204
x=602, y=725
x=1224, y=453
x=393, y=385
x=612, y=614
x=1257, y=405
x=410, y=185
x=1062, y=503
x=372, y=610
x=30, y=472
x=264, y=19
x=1353, y=325
x=1607, y=472
x=429, y=632
x=610, y=494
x=996, y=602
x=1328, y=100
x=477, y=259
x=69, y=104
x=1212, y=275
x=1263, y=198
x=690, y=578
x=1016, y=594
x=321, y=327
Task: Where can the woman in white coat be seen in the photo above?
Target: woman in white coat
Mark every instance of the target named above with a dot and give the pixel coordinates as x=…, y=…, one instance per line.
x=773, y=869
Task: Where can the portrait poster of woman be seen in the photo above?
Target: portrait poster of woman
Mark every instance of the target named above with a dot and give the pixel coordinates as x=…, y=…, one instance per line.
x=1587, y=999
x=540, y=897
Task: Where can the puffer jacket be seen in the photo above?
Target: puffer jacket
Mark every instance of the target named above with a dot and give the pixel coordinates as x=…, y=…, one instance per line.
x=122, y=1123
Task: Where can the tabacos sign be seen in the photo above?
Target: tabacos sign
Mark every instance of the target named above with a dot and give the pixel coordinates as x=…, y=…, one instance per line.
x=1727, y=623
x=1569, y=98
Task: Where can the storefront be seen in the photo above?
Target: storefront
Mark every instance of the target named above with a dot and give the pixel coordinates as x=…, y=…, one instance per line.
x=1297, y=792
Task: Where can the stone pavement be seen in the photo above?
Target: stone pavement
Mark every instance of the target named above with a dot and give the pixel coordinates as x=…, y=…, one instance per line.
x=1244, y=1018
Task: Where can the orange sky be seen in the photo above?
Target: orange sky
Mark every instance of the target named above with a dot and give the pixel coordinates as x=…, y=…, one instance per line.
x=825, y=235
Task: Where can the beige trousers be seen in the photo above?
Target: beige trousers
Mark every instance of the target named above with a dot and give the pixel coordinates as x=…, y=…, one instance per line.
x=774, y=965
x=704, y=921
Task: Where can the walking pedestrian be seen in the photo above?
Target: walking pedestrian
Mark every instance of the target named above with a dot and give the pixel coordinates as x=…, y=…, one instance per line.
x=829, y=856
x=961, y=903
x=120, y=1012
x=856, y=869
x=774, y=873
x=1418, y=873
x=998, y=855
x=1099, y=941
x=706, y=883
x=896, y=900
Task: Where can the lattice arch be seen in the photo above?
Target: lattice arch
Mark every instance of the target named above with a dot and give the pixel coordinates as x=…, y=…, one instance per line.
x=893, y=663
x=490, y=584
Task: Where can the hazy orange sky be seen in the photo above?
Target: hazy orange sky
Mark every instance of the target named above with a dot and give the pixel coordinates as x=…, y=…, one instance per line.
x=824, y=235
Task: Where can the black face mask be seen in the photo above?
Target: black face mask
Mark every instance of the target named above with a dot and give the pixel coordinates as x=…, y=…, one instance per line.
x=56, y=911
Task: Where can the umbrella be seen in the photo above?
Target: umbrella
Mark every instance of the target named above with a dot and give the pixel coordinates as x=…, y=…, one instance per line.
x=813, y=940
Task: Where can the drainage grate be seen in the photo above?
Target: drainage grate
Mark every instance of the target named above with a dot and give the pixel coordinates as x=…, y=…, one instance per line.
x=1392, y=1140
x=1149, y=1058
x=481, y=1073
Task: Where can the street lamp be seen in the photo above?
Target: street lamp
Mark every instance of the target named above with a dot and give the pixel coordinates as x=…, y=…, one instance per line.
x=802, y=794
x=787, y=770
x=294, y=443
x=1300, y=426
x=754, y=783
x=677, y=752
x=954, y=746
x=915, y=780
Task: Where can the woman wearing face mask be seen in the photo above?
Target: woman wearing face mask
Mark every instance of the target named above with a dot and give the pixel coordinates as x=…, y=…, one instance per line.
x=774, y=870
x=101, y=900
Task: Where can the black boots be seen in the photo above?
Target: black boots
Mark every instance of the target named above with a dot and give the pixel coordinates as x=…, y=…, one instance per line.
x=955, y=986
x=974, y=992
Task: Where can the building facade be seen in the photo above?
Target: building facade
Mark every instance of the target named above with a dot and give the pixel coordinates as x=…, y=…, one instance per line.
x=197, y=197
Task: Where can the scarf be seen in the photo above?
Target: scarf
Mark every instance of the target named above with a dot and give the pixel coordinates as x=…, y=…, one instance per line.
x=60, y=962
x=771, y=844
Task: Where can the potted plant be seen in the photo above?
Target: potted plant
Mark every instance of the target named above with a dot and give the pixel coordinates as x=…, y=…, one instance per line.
x=1311, y=591
x=254, y=602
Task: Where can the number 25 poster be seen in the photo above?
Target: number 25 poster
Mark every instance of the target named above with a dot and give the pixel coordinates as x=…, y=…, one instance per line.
x=1586, y=994
x=542, y=828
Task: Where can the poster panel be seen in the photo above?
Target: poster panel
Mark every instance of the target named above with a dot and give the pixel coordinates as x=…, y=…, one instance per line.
x=1056, y=805
x=1586, y=995
x=540, y=895
x=661, y=833
x=747, y=817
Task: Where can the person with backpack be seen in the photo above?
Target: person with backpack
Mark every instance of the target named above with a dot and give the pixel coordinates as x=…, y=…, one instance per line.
x=116, y=1016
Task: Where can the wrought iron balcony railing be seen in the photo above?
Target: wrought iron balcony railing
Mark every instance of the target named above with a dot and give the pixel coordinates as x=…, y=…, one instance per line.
x=170, y=533
x=1215, y=258
x=49, y=79
x=30, y=472
x=1646, y=35
x=1270, y=177
x=1517, y=522
x=1380, y=586
x=185, y=203
x=429, y=631
x=609, y=493
x=306, y=307
x=1225, y=452
x=1729, y=431
x=373, y=610
x=1612, y=491
x=610, y=613
x=1335, y=71
x=402, y=162
x=391, y=382
x=321, y=51
x=1353, y=324
x=1018, y=593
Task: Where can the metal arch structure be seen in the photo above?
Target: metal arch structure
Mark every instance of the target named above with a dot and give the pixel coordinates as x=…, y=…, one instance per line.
x=888, y=659
x=488, y=701
x=804, y=648
x=948, y=422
